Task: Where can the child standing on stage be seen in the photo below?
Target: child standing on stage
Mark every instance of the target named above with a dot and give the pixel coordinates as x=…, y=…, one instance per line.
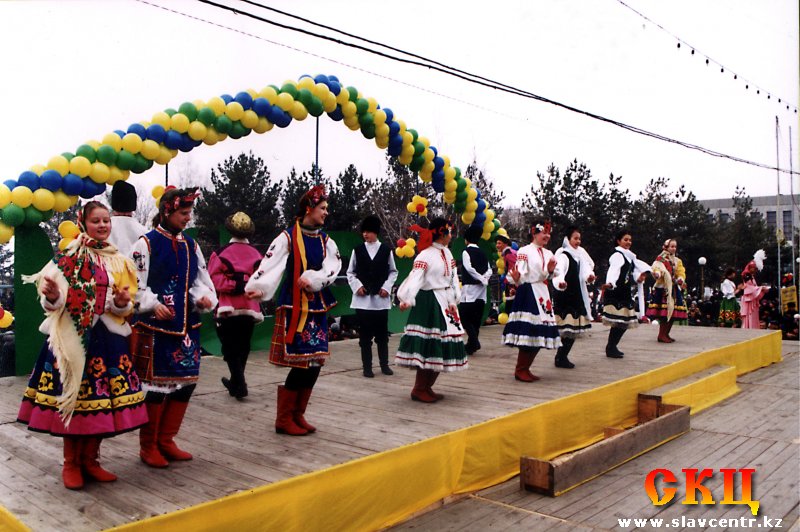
x=307, y=261
x=532, y=323
x=83, y=387
x=371, y=275
x=174, y=287
x=230, y=267
x=620, y=311
x=432, y=340
x=729, y=308
x=475, y=275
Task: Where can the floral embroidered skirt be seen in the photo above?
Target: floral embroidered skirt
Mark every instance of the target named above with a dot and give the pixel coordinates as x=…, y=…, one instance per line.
x=309, y=347
x=433, y=337
x=658, y=304
x=110, y=399
x=531, y=322
x=729, y=313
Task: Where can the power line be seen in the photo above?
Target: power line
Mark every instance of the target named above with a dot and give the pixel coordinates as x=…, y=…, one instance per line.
x=709, y=59
x=466, y=76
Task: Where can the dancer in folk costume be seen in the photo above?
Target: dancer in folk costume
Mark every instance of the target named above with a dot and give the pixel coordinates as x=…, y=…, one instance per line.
x=509, y=256
x=574, y=270
x=371, y=275
x=752, y=293
x=620, y=310
x=174, y=287
x=532, y=324
x=432, y=340
x=475, y=275
x=729, y=315
x=84, y=387
x=307, y=261
x=667, y=303
x=230, y=267
x=125, y=229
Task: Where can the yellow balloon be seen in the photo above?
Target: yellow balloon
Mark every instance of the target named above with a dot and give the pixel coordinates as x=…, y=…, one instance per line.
x=426, y=175
x=383, y=143
x=320, y=90
x=217, y=105
x=234, y=111
x=449, y=197
x=285, y=101
x=93, y=143
x=6, y=233
x=68, y=229
x=306, y=83
x=62, y=202
x=411, y=207
x=373, y=105
x=502, y=318
x=151, y=149
x=60, y=164
x=382, y=130
x=163, y=119
x=38, y=169
x=489, y=214
x=449, y=173
x=468, y=217
x=21, y=196
x=113, y=140
x=402, y=125
x=486, y=234
x=197, y=130
x=267, y=92
x=343, y=97
x=329, y=103
x=349, y=110
x=352, y=123
x=299, y=111
x=132, y=142
x=212, y=137
x=157, y=191
x=471, y=194
x=411, y=242
x=408, y=251
x=178, y=122
x=73, y=200
x=450, y=185
x=500, y=263
x=5, y=195
x=406, y=158
x=249, y=119
x=398, y=251
x=408, y=139
x=64, y=242
x=80, y=166
x=164, y=155
x=379, y=118
x=408, y=152
x=100, y=173
x=7, y=318
x=43, y=199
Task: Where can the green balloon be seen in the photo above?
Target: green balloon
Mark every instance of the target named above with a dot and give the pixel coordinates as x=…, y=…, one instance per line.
x=460, y=184
x=361, y=106
x=67, y=155
x=33, y=216
x=206, y=116
x=46, y=215
x=291, y=88
x=413, y=134
x=223, y=124
x=125, y=160
x=139, y=164
x=189, y=109
x=13, y=215
x=459, y=206
x=238, y=130
x=84, y=150
x=304, y=96
x=461, y=196
x=315, y=108
x=418, y=148
x=170, y=111
x=366, y=119
x=502, y=307
x=458, y=172
x=368, y=131
x=107, y=155
x=353, y=92
x=416, y=163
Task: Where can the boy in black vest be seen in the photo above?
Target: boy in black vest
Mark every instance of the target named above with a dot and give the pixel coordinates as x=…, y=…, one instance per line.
x=475, y=274
x=371, y=274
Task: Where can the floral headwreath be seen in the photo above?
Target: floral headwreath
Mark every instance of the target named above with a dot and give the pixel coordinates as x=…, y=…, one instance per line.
x=184, y=198
x=315, y=195
x=546, y=227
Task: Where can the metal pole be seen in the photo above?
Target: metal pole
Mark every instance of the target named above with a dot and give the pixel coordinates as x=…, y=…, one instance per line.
x=778, y=214
x=316, y=154
x=166, y=175
x=794, y=207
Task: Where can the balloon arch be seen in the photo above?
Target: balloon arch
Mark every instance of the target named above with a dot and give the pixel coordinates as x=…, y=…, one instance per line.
x=42, y=190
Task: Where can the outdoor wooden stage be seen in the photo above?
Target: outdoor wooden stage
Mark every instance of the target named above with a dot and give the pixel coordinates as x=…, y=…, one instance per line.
x=236, y=448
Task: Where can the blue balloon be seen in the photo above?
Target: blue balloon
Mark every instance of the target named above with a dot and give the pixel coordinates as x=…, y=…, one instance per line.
x=280, y=117
x=156, y=133
x=72, y=185
x=138, y=129
x=90, y=188
x=437, y=182
x=438, y=163
x=173, y=140
x=227, y=98
x=51, y=180
x=479, y=194
x=395, y=145
x=438, y=174
x=10, y=183
x=435, y=151
x=119, y=133
x=514, y=246
x=244, y=99
x=335, y=87
x=480, y=218
x=481, y=206
x=336, y=114
x=389, y=116
x=394, y=127
x=321, y=78
x=334, y=78
x=261, y=106
x=186, y=143
x=28, y=179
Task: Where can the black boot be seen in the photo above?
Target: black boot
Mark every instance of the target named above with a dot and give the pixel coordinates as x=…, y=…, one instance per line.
x=614, y=336
x=383, y=358
x=366, y=361
x=561, y=355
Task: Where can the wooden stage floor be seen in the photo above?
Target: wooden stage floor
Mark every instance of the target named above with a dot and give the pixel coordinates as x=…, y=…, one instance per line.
x=236, y=448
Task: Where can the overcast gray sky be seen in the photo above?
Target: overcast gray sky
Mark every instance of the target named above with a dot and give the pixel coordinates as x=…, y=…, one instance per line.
x=76, y=70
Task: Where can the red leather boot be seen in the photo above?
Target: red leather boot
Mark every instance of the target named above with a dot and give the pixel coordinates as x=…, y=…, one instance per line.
x=91, y=465
x=284, y=421
x=171, y=419
x=523, y=370
x=303, y=396
x=71, y=473
x=421, y=390
x=148, y=444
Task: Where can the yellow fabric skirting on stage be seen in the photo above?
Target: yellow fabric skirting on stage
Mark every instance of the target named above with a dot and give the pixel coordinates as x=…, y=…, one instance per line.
x=383, y=489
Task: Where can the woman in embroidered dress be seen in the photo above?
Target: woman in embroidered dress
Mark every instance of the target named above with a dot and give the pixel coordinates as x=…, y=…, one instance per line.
x=667, y=303
x=620, y=310
x=174, y=286
x=729, y=308
x=531, y=324
x=574, y=270
x=753, y=293
x=83, y=387
x=308, y=261
x=432, y=339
